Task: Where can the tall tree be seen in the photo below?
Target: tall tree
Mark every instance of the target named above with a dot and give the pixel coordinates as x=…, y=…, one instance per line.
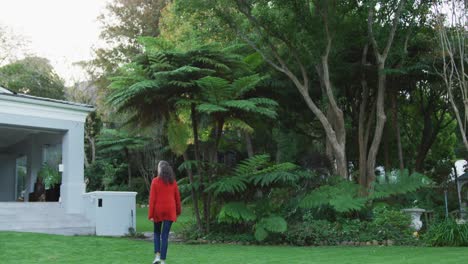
x=368, y=176
x=33, y=76
x=123, y=21
x=299, y=37
x=12, y=46
x=452, y=33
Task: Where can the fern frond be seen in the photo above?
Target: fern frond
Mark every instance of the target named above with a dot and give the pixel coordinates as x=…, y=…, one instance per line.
x=228, y=185
x=399, y=183
x=234, y=123
x=260, y=234
x=254, y=60
x=266, y=102
x=210, y=108
x=274, y=224
x=178, y=136
x=266, y=112
x=245, y=84
x=236, y=212
x=187, y=165
x=244, y=105
x=251, y=165
x=343, y=197
x=283, y=173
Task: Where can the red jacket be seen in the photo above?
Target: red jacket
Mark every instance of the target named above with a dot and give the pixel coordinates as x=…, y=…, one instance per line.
x=164, y=204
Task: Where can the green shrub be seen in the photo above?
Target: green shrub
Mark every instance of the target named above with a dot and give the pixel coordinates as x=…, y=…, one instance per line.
x=447, y=233
x=386, y=225
x=354, y=230
x=391, y=224
x=315, y=232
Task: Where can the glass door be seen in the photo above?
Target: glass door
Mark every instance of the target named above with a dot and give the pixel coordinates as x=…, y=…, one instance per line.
x=21, y=173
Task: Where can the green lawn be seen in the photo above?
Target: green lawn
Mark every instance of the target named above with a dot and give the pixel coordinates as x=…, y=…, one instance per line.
x=144, y=225
x=18, y=248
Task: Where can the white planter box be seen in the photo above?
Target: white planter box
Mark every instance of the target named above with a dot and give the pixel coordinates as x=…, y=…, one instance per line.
x=113, y=213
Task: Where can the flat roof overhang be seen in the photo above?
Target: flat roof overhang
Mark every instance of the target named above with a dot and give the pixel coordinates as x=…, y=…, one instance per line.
x=26, y=105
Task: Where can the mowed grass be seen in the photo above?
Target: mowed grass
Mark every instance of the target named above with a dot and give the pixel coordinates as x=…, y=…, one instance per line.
x=144, y=225
x=18, y=248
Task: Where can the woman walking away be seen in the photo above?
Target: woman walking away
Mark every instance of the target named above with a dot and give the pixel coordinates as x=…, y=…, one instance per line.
x=164, y=208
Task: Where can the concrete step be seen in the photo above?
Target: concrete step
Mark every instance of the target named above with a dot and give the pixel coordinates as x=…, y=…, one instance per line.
x=47, y=218
x=14, y=205
x=35, y=225
x=66, y=231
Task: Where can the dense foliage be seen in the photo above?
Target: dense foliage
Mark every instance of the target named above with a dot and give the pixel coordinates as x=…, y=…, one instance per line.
x=306, y=122
x=447, y=234
x=277, y=115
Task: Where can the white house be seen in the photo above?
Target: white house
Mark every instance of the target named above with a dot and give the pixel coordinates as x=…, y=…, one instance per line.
x=32, y=130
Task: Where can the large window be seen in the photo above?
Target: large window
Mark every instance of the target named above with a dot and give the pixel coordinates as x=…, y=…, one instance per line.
x=52, y=158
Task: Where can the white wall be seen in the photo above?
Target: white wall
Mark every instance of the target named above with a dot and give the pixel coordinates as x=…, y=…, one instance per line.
x=7, y=178
x=68, y=118
x=115, y=216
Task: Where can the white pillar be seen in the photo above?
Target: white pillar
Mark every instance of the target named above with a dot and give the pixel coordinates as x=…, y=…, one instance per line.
x=34, y=156
x=73, y=186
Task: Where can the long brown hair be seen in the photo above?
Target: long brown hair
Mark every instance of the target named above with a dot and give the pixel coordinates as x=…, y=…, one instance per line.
x=166, y=172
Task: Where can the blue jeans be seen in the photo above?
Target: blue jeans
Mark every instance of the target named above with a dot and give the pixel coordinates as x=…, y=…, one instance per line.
x=161, y=236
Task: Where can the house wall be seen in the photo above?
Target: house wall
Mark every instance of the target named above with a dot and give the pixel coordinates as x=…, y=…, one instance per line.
x=73, y=185
x=7, y=178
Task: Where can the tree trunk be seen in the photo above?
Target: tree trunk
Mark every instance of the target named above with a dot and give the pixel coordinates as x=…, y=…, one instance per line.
x=387, y=162
x=423, y=150
x=129, y=167
x=380, y=102
x=336, y=137
x=201, y=176
x=379, y=125
x=396, y=127
x=249, y=145
x=194, y=195
x=196, y=140
x=92, y=147
x=214, y=160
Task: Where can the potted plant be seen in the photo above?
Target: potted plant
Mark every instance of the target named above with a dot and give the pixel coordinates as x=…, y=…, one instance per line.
x=52, y=180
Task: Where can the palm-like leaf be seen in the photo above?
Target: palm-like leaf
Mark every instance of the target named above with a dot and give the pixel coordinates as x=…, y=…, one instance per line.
x=111, y=140
x=229, y=185
x=236, y=212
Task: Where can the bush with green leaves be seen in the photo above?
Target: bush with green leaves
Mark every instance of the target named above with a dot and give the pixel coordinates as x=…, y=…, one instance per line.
x=391, y=224
x=313, y=233
x=387, y=225
x=447, y=233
